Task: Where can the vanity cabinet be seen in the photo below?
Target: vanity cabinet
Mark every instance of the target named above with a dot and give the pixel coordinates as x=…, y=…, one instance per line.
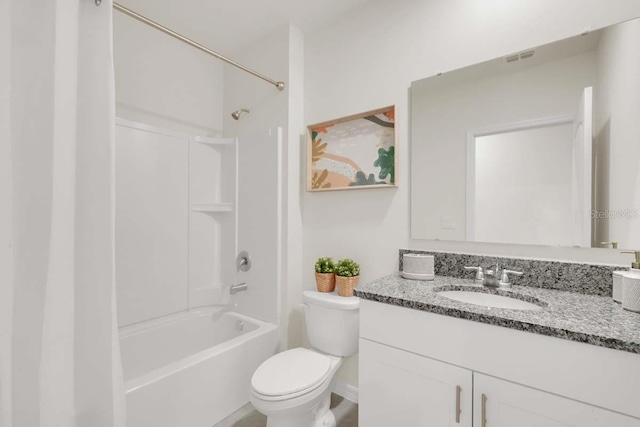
x=412, y=363
x=399, y=388
x=402, y=388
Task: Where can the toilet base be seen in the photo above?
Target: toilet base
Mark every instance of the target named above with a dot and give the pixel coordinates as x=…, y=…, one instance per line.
x=328, y=420
x=314, y=415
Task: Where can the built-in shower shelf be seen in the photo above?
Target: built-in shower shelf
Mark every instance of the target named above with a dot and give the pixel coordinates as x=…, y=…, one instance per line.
x=215, y=207
x=213, y=141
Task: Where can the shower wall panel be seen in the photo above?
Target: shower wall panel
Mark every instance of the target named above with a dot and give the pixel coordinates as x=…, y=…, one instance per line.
x=152, y=219
x=260, y=222
x=176, y=216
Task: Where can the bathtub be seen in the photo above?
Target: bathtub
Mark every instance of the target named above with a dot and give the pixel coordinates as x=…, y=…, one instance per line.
x=192, y=369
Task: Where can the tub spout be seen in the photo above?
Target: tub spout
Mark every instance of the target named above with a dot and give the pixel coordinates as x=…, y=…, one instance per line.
x=238, y=288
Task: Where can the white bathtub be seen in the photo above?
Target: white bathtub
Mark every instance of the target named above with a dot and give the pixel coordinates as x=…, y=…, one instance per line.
x=192, y=369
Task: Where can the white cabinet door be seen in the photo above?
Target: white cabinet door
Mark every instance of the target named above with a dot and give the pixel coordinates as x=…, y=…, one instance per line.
x=500, y=403
x=399, y=388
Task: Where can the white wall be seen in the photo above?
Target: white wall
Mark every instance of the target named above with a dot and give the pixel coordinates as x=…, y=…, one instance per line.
x=6, y=205
x=449, y=110
x=368, y=59
x=523, y=186
x=164, y=82
x=617, y=132
x=268, y=107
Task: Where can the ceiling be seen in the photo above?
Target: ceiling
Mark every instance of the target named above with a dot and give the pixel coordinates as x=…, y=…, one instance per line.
x=228, y=26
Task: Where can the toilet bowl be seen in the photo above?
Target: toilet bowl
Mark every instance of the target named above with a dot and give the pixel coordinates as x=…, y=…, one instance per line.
x=293, y=388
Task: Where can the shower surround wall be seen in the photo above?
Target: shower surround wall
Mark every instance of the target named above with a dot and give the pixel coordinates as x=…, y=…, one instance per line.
x=177, y=213
x=175, y=221
x=260, y=223
x=163, y=82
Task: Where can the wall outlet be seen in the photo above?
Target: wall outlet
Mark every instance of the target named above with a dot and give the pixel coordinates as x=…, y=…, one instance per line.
x=448, y=222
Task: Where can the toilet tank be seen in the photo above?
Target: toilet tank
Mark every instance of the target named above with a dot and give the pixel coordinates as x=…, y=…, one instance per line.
x=332, y=322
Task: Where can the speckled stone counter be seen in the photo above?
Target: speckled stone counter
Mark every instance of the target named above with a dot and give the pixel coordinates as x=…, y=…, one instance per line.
x=573, y=316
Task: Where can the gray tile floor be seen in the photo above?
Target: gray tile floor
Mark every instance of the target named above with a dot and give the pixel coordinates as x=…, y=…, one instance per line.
x=346, y=413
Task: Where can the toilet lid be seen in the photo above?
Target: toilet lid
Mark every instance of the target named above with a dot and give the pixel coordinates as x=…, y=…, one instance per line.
x=291, y=371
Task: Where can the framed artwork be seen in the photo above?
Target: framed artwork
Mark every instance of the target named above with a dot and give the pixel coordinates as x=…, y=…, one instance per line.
x=354, y=152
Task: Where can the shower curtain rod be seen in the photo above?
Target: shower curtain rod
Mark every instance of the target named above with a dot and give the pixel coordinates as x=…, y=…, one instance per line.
x=279, y=85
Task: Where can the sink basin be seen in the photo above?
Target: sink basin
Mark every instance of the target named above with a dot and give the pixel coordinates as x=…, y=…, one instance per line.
x=489, y=300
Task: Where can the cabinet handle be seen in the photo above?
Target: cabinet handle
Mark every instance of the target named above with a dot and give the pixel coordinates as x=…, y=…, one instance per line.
x=458, y=392
x=484, y=410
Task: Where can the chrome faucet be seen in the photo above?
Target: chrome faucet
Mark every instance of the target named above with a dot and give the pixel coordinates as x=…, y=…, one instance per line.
x=505, y=281
x=491, y=277
x=238, y=287
x=479, y=279
x=496, y=278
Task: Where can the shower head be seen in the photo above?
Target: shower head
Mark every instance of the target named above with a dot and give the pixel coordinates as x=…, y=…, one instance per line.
x=236, y=114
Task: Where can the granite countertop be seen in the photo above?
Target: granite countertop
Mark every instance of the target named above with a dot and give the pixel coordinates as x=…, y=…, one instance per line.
x=590, y=319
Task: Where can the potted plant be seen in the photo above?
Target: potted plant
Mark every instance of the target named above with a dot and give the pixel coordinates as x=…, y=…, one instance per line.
x=347, y=275
x=325, y=276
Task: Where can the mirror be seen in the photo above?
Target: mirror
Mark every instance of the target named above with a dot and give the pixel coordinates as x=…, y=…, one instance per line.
x=539, y=147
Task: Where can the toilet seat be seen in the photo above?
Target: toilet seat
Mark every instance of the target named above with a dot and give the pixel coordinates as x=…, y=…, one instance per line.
x=290, y=374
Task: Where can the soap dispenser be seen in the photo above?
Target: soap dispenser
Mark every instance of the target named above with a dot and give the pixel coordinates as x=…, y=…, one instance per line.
x=635, y=265
x=631, y=285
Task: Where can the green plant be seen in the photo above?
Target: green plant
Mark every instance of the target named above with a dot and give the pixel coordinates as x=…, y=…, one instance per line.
x=347, y=268
x=325, y=265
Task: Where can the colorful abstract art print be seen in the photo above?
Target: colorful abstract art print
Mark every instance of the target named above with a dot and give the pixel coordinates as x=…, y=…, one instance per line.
x=354, y=152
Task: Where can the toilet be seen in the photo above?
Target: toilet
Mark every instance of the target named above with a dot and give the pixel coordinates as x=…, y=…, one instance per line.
x=293, y=388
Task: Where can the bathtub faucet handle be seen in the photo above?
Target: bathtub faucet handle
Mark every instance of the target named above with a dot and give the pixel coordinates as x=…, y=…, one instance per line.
x=243, y=262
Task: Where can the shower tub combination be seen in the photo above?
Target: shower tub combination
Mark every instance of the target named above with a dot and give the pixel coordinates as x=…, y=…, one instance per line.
x=192, y=369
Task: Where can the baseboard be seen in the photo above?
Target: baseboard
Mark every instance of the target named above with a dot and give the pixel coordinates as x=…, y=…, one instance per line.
x=347, y=391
